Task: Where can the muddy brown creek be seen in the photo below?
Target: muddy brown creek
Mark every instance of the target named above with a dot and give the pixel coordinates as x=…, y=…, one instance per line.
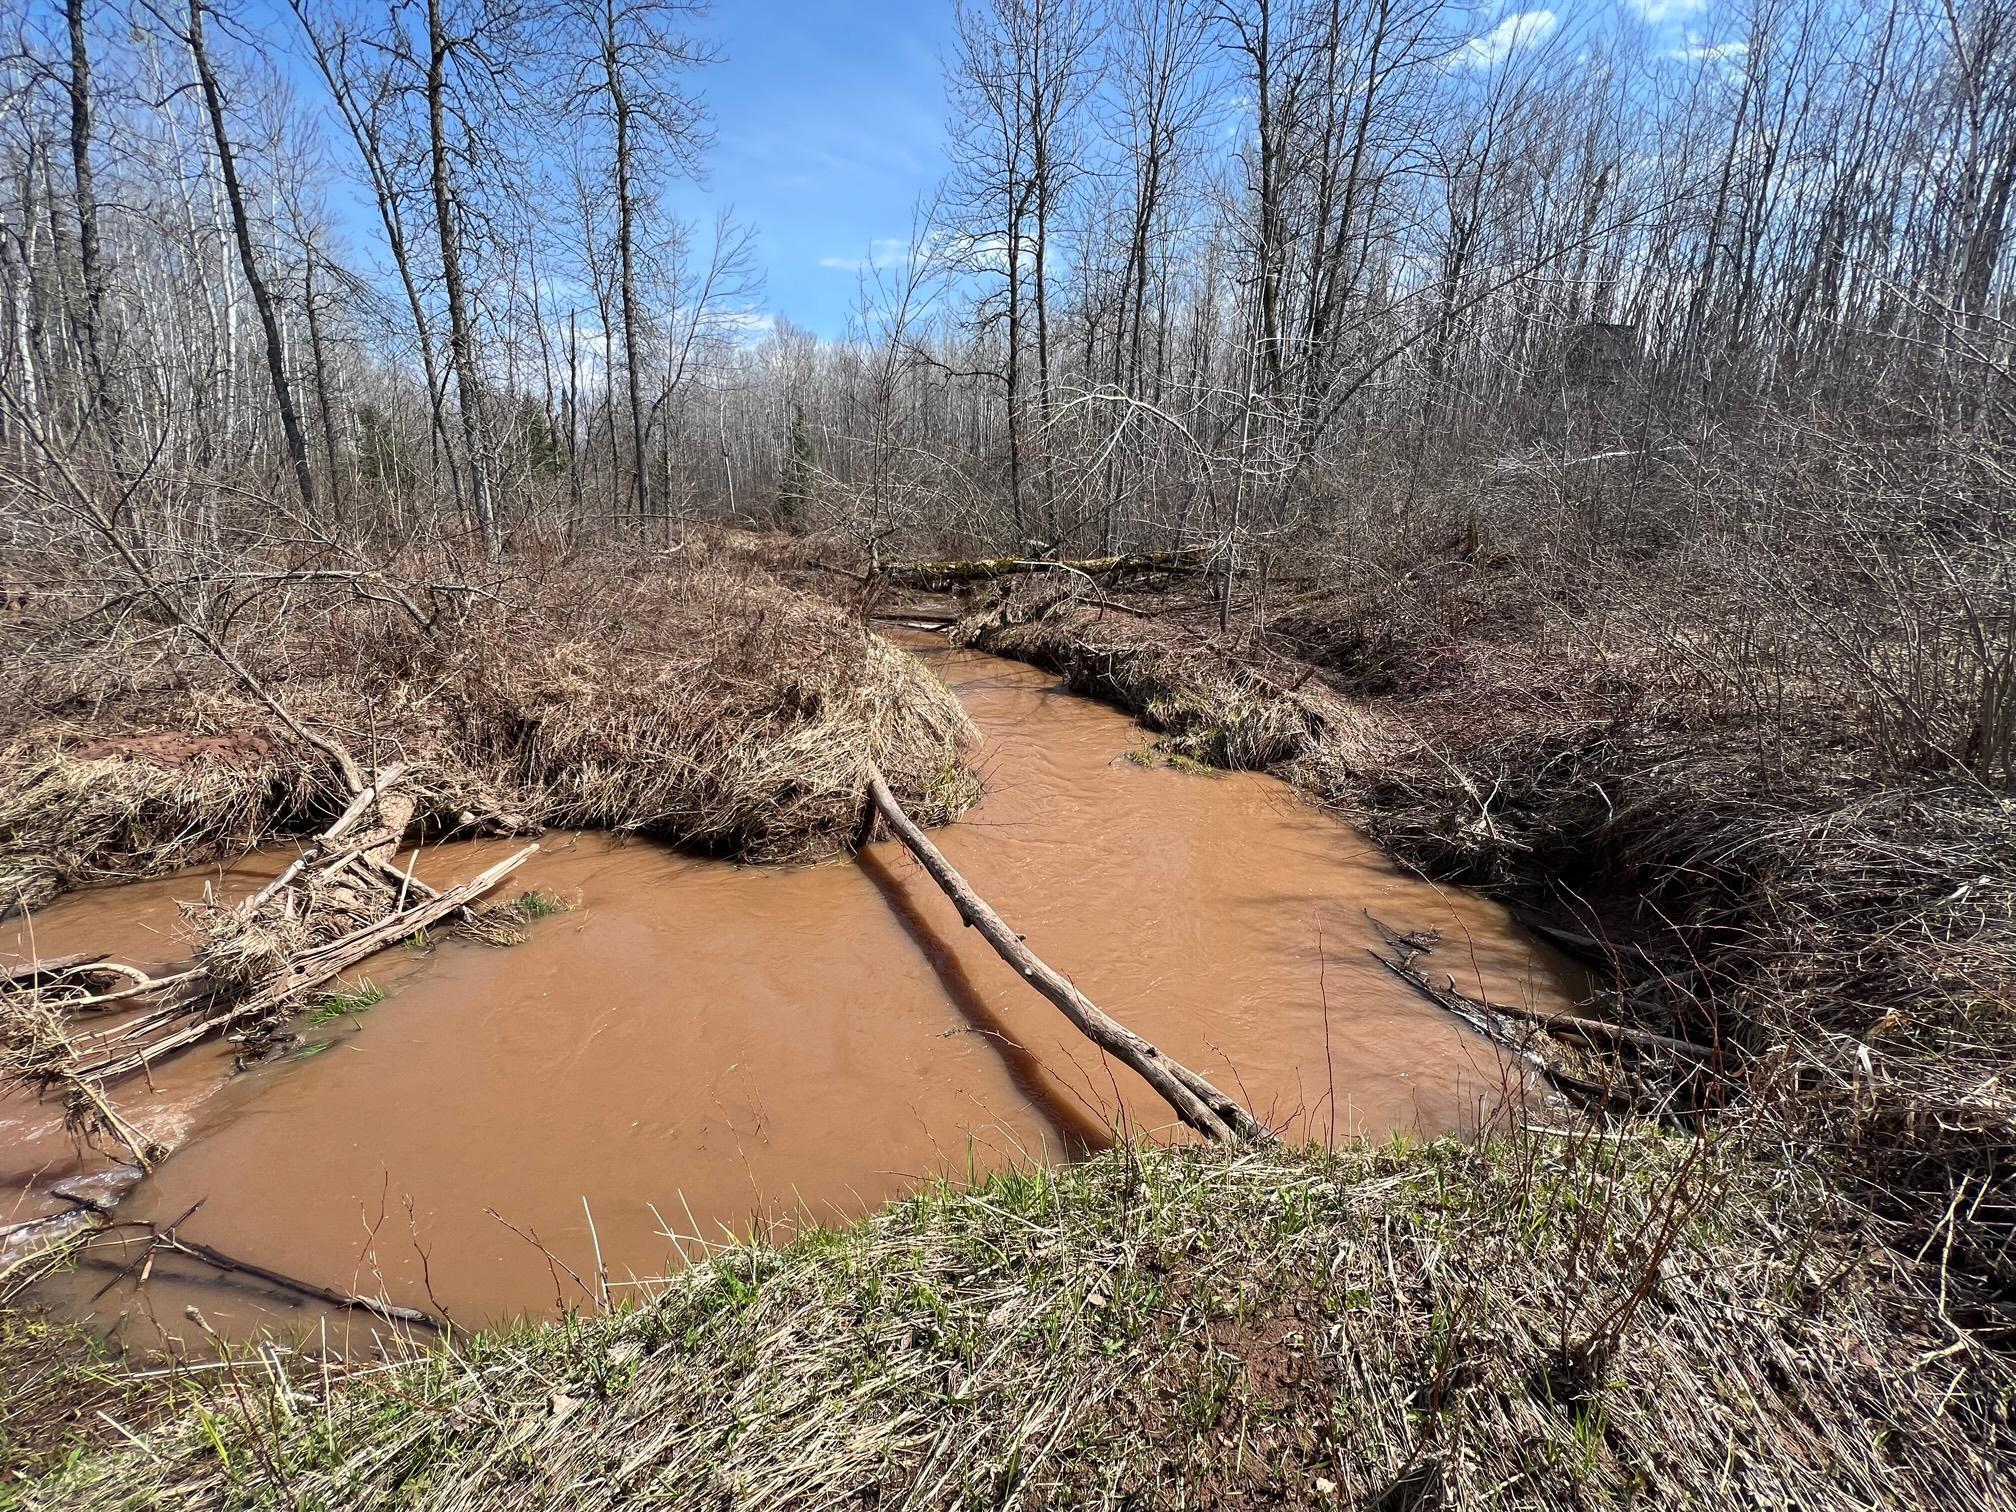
x=696, y=1050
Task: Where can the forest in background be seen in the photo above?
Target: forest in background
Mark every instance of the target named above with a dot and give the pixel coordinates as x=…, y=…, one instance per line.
x=1357, y=285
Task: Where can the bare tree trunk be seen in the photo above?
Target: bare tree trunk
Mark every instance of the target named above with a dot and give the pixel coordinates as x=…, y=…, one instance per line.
x=626, y=259
x=1014, y=364
x=1043, y=188
x=319, y=357
x=90, y=257
x=1258, y=44
x=573, y=410
x=241, y=227
x=461, y=339
x=370, y=149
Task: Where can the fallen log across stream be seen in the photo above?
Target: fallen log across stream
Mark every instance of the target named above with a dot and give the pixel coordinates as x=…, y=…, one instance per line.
x=1199, y=1104
x=991, y=569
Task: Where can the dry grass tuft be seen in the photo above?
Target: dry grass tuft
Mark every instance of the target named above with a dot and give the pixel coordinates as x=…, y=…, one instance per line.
x=743, y=722
x=69, y=819
x=703, y=704
x=1549, y=1322
x=59, y=1392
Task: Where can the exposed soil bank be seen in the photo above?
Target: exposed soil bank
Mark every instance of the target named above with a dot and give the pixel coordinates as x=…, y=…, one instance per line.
x=712, y=1048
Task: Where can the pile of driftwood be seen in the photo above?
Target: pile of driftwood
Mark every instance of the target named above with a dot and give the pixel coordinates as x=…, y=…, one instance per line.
x=76, y=1027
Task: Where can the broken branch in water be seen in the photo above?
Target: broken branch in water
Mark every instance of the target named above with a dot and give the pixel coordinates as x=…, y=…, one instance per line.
x=332, y=907
x=1496, y=1022
x=167, y=1238
x=1199, y=1104
x=229, y=1264
x=308, y=969
x=320, y=847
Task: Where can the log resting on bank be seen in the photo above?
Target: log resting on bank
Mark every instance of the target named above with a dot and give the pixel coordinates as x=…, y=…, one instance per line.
x=1199, y=1104
x=987, y=569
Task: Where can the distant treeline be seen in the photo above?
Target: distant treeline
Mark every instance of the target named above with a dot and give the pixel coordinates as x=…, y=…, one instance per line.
x=1199, y=271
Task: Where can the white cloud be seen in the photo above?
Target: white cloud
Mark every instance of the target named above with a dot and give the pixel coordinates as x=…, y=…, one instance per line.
x=1520, y=29
x=883, y=252
x=745, y=326
x=1656, y=11
x=1709, y=52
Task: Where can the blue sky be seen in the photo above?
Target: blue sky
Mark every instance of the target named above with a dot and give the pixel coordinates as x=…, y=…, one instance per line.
x=829, y=121
x=829, y=117
x=829, y=124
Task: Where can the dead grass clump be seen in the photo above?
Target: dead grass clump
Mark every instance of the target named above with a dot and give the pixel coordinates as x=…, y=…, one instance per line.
x=35, y=1043
x=240, y=949
x=705, y=705
x=1580, y=1321
x=718, y=710
x=59, y=1393
x=1205, y=707
x=70, y=819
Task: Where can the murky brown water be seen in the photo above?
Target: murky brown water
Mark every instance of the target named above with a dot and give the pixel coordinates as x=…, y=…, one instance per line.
x=698, y=1049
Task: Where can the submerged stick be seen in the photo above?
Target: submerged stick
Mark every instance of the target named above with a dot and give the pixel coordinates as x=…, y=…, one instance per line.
x=166, y=1237
x=1566, y=1024
x=1199, y=1104
x=31, y=973
x=229, y=1264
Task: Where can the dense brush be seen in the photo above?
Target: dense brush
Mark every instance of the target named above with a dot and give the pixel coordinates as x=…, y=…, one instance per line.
x=708, y=706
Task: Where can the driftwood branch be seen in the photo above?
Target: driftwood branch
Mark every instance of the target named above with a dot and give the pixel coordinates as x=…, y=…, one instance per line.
x=311, y=968
x=344, y=823
x=1481, y=1014
x=1199, y=1104
x=1591, y=1030
x=20, y=975
x=168, y=1239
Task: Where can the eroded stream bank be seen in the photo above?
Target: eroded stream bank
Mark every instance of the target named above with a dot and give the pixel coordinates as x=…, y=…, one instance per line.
x=706, y=1049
